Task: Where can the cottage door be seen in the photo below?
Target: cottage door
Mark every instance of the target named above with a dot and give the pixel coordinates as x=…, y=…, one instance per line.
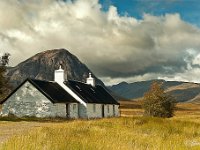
x=67, y=110
x=113, y=110
x=103, y=115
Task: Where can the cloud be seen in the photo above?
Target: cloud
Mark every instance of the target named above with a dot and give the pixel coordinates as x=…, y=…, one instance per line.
x=192, y=70
x=113, y=46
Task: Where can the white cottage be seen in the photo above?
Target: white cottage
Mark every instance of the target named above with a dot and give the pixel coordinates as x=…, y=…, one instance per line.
x=60, y=98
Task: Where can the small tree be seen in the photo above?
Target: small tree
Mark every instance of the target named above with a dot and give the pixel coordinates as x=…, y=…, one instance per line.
x=5, y=59
x=4, y=86
x=157, y=103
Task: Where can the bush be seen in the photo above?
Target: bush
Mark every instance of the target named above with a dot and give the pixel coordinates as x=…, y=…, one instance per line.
x=157, y=103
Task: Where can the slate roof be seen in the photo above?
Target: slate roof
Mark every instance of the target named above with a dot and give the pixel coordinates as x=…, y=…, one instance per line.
x=90, y=94
x=52, y=90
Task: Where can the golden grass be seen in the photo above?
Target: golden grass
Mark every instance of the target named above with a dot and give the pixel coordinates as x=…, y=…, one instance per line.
x=124, y=133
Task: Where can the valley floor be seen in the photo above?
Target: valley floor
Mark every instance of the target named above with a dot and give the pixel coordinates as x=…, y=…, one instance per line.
x=131, y=131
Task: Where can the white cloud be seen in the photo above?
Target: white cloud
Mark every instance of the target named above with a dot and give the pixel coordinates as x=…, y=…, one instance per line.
x=113, y=46
x=191, y=72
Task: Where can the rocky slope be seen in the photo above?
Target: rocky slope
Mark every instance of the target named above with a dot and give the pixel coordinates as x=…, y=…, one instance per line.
x=42, y=66
x=182, y=91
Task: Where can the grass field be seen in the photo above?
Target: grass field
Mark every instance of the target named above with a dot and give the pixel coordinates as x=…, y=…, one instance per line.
x=131, y=131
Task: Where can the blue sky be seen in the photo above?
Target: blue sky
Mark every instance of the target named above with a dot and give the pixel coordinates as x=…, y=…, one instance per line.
x=189, y=10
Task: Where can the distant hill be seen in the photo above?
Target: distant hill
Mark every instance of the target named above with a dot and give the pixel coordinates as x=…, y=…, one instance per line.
x=182, y=91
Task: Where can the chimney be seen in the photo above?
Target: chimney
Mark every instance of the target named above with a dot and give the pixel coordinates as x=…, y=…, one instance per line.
x=59, y=75
x=90, y=80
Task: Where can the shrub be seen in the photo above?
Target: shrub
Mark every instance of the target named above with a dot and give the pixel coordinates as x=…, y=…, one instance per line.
x=157, y=103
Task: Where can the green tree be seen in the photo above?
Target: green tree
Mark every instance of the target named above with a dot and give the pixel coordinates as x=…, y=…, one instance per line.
x=4, y=85
x=157, y=103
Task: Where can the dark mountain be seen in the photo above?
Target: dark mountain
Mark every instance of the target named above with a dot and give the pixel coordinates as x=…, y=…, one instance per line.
x=42, y=66
x=182, y=91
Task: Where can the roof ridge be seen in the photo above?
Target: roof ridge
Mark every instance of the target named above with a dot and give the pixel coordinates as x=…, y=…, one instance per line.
x=76, y=81
x=82, y=82
x=41, y=80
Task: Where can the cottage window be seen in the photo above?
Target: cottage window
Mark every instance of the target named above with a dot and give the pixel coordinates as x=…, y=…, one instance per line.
x=94, y=108
x=113, y=109
x=108, y=108
x=74, y=106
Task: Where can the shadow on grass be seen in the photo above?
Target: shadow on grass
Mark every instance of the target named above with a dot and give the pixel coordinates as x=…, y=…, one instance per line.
x=13, y=118
x=34, y=119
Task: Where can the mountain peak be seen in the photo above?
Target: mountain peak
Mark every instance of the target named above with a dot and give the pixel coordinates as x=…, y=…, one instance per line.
x=54, y=52
x=51, y=54
x=42, y=66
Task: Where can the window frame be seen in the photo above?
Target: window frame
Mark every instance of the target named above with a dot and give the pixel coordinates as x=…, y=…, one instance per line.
x=94, y=107
x=74, y=107
x=108, y=109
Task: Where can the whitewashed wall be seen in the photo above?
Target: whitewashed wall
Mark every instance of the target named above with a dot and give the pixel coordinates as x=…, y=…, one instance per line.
x=94, y=113
x=73, y=110
x=117, y=113
x=82, y=111
x=111, y=110
x=28, y=101
x=57, y=110
x=106, y=112
x=88, y=112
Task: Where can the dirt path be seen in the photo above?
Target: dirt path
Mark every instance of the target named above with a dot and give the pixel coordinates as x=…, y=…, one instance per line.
x=9, y=129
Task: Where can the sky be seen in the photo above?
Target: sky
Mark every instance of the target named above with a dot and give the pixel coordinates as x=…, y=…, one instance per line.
x=129, y=40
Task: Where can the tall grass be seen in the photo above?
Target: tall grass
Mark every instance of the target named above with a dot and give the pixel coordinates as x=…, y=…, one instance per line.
x=125, y=133
x=110, y=134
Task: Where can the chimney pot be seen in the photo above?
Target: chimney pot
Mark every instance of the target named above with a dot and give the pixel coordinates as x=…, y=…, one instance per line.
x=90, y=80
x=59, y=75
